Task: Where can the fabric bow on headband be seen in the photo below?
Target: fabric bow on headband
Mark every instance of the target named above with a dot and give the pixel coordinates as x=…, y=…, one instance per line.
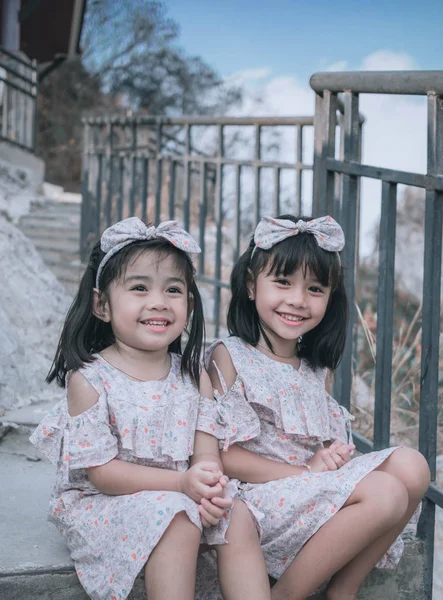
x=327, y=232
x=131, y=230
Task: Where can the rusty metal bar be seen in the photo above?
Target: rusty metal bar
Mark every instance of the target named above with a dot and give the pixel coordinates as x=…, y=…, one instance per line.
x=171, y=191
x=343, y=382
x=385, y=316
x=276, y=199
x=379, y=82
x=237, y=214
x=219, y=231
x=389, y=175
x=209, y=121
x=257, y=157
x=158, y=175
x=431, y=326
x=214, y=160
x=202, y=219
x=299, y=172
x=187, y=178
x=121, y=187
x=145, y=188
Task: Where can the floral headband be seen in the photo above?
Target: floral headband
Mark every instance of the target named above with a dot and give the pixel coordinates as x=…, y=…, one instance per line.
x=327, y=232
x=131, y=230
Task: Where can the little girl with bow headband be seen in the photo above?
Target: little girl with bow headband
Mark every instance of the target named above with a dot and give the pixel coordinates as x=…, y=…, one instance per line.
x=322, y=516
x=135, y=440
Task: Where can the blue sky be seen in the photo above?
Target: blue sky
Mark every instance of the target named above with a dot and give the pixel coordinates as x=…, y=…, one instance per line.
x=303, y=36
x=274, y=46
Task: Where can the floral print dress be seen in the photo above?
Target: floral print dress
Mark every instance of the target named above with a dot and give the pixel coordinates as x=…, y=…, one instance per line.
x=285, y=414
x=149, y=423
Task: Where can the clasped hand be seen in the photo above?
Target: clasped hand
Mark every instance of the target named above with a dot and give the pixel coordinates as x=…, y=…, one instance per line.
x=205, y=484
x=331, y=458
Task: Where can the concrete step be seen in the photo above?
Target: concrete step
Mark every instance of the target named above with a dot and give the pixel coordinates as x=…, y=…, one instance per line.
x=51, y=220
x=54, y=229
x=52, y=253
x=58, y=235
x=35, y=563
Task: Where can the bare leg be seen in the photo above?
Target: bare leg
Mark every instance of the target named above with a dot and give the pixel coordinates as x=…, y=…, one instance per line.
x=378, y=503
x=171, y=569
x=241, y=565
x=411, y=468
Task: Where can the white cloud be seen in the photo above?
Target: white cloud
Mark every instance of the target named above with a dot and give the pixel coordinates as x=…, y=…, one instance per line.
x=395, y=132
x=385, y=60
x=248, y=75
x=340, y=65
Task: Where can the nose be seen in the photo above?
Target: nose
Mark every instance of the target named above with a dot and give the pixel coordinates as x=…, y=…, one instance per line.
x=297, y=297
x=156, y=300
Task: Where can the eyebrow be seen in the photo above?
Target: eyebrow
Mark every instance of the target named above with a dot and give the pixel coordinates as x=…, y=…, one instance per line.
x=149, y=279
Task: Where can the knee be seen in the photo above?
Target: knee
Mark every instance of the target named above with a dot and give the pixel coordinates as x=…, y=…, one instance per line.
x=412, y=469
x=181, y=524
x=388, y=496
x=242, y=526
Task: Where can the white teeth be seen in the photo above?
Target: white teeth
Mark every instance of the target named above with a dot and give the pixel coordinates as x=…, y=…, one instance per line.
x=161, y=323
x=291, y=318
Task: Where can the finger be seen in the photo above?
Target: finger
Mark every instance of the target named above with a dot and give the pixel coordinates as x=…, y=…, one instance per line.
x=207, y=465
x=334, y=446
x=225, y=502
x=224, y=480
x=344, y=454
x=208, y=478
x=215, y=490
x=204, y=522
x=207, y=516
x=337, y=459
x=326, y=457
x=213, y=510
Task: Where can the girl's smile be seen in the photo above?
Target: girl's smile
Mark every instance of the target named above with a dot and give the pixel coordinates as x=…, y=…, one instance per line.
x=289, y=306
x=149, y=306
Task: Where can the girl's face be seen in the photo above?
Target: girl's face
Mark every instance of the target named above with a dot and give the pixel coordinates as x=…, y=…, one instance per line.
x=148, y=307
x=289, y=306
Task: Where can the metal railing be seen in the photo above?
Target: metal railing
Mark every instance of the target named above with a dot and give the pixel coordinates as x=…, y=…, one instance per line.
x=193, y=169
x=336, y=192
x=18, y=100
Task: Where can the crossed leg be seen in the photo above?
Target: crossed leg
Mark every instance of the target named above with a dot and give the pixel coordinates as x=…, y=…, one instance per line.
x=352, y=541
x=409, y=467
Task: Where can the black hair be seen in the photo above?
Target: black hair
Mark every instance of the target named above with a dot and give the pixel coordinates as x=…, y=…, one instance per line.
x=84, y=334
x=322, y=346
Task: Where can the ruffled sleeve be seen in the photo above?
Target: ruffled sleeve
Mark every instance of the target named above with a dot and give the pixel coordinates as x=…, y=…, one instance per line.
x=48, y=436
x=212, y=417
x=90, y=439
x=241, y=421
x=238, y=420
x=339, y=421
x=78, y=442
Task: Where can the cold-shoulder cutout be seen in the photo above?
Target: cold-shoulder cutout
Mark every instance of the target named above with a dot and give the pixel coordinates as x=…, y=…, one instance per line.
x=219, y=362
x=206, y=389
x=80, y=394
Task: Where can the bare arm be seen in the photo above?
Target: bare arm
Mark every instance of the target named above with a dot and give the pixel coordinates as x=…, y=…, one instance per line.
x=244, y=465
x=249, y=466
x=205, y=445
x=238, y=462
x=118, y=477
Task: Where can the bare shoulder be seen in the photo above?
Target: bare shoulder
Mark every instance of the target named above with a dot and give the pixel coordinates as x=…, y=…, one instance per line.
x=206, y=389
x=81, y=394
x=220, y=359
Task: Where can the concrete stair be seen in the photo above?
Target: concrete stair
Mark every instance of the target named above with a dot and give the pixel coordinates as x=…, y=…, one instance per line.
x=35, y=563
x=54, y=229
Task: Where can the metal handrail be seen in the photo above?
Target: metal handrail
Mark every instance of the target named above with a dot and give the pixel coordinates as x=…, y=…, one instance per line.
x=417, y=83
